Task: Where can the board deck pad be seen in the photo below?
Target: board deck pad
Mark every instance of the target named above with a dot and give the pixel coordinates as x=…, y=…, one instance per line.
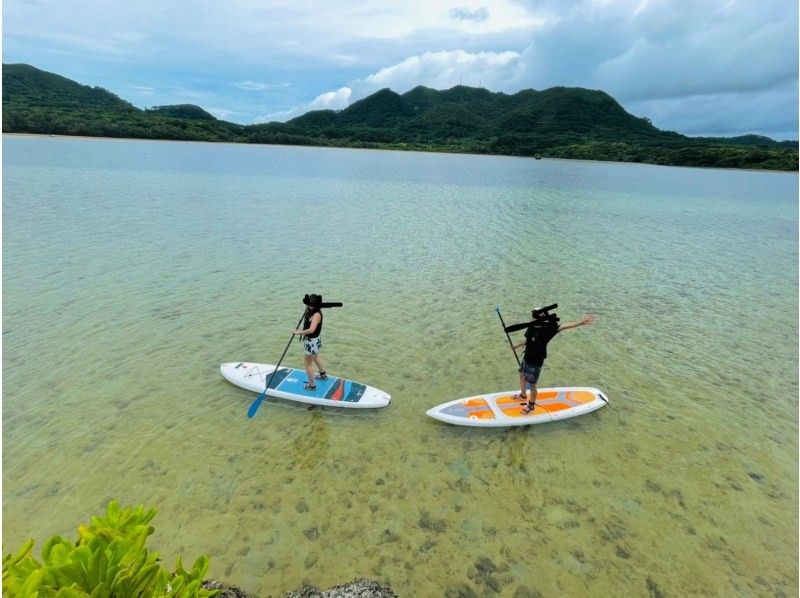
x=478, y=408
x=505, y=408
x=293, y=381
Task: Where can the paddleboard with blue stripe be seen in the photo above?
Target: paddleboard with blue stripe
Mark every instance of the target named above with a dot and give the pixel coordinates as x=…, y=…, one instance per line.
x=502, y=409
x=288, y=384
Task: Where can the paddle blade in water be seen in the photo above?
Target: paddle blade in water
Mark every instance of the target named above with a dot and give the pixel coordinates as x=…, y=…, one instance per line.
x=256, y=404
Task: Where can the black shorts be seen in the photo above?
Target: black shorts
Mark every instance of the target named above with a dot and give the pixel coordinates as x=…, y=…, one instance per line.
x=530, y=372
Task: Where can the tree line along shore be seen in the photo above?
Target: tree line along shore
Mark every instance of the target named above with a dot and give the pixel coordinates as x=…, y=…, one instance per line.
x=559, y=122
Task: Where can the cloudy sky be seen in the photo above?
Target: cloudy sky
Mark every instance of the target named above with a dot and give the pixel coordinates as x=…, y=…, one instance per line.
x=699, y=67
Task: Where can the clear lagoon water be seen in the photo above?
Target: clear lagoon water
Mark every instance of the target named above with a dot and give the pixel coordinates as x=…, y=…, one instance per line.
x=132, y=269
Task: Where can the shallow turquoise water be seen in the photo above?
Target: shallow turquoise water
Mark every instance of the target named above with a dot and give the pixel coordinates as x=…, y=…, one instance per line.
x=131, y=269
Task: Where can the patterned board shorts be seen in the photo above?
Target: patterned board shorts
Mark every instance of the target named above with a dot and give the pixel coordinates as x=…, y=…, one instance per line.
x=311, y=346
x=531, y=372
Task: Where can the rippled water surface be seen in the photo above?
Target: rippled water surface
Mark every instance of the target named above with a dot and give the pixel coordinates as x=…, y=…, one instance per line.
x=131, y=269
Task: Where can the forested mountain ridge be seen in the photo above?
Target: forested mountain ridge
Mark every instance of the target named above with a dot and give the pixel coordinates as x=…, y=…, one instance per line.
x=559, y=122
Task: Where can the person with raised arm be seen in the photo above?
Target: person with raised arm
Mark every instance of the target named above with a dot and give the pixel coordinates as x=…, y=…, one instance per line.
x=539, y=332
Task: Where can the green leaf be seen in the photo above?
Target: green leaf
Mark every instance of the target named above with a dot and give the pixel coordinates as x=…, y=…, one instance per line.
x=122, y=584
x=80, y=558
x=200, y=567
x=13, y=559
x=145, y=579
x=191, y=590
x=179, y=570
x=71, y=592
x=57, y=551
x=112, y=509
x=32, y=584
x=95, y=564
x=103, y=590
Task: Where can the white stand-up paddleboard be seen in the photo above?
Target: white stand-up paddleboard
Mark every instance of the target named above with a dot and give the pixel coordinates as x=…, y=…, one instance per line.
x=501, y=409
x=288, y=384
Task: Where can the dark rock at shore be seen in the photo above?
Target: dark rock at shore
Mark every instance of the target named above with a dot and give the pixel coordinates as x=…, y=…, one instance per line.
x=227, y=591
x=358, y=588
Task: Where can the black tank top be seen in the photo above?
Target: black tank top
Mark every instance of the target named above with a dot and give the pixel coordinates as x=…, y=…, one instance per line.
x=310, y=315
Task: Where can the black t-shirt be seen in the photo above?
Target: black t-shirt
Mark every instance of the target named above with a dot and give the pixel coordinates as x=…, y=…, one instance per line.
x=536, y=344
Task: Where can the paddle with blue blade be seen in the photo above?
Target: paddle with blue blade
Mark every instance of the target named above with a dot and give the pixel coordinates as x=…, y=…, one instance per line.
x=257, y=403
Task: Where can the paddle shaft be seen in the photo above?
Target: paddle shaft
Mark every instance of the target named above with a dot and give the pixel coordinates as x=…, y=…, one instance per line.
x=257, y=403
x=497, y=309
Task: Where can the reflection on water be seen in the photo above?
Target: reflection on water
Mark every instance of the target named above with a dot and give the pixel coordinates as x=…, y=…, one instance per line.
x=132, y=269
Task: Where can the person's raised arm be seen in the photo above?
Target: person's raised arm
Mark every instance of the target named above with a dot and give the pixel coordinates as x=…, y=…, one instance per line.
x=584, y=322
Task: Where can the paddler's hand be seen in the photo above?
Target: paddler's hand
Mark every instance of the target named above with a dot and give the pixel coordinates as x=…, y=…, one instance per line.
x=587, y=320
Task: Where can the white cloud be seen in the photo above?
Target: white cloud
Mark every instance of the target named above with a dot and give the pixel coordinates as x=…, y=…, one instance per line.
x=253, y=86
x=637, y=50
x=665, y=50
x=391, y=20
x=773, y=114
x=720, y=53
x=442, y=70
x=465, y=14
x=332, y=100
x=222, y=113
x=265, y=32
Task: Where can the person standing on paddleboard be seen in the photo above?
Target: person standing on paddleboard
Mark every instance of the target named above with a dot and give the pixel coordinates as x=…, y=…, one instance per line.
x=539, y=333
x=312, y=341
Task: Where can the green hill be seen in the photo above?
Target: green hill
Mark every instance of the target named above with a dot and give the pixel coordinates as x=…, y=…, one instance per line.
x=182, y=111
x=26, y=86
x=35, y=101
x=560, y=122
x=481, y=114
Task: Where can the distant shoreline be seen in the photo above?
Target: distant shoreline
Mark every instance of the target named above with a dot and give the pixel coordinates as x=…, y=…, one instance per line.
x=571, y=123
x=375, y=149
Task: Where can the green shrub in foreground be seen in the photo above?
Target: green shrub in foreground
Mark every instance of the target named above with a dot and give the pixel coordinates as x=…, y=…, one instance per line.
x=108, y=559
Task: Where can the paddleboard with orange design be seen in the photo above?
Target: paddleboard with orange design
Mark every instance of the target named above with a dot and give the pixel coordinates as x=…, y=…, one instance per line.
x=289, y=383
x=503, y=409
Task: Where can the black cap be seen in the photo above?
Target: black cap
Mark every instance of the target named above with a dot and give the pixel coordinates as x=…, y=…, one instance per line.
x=543, y=312
x=312, y=300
